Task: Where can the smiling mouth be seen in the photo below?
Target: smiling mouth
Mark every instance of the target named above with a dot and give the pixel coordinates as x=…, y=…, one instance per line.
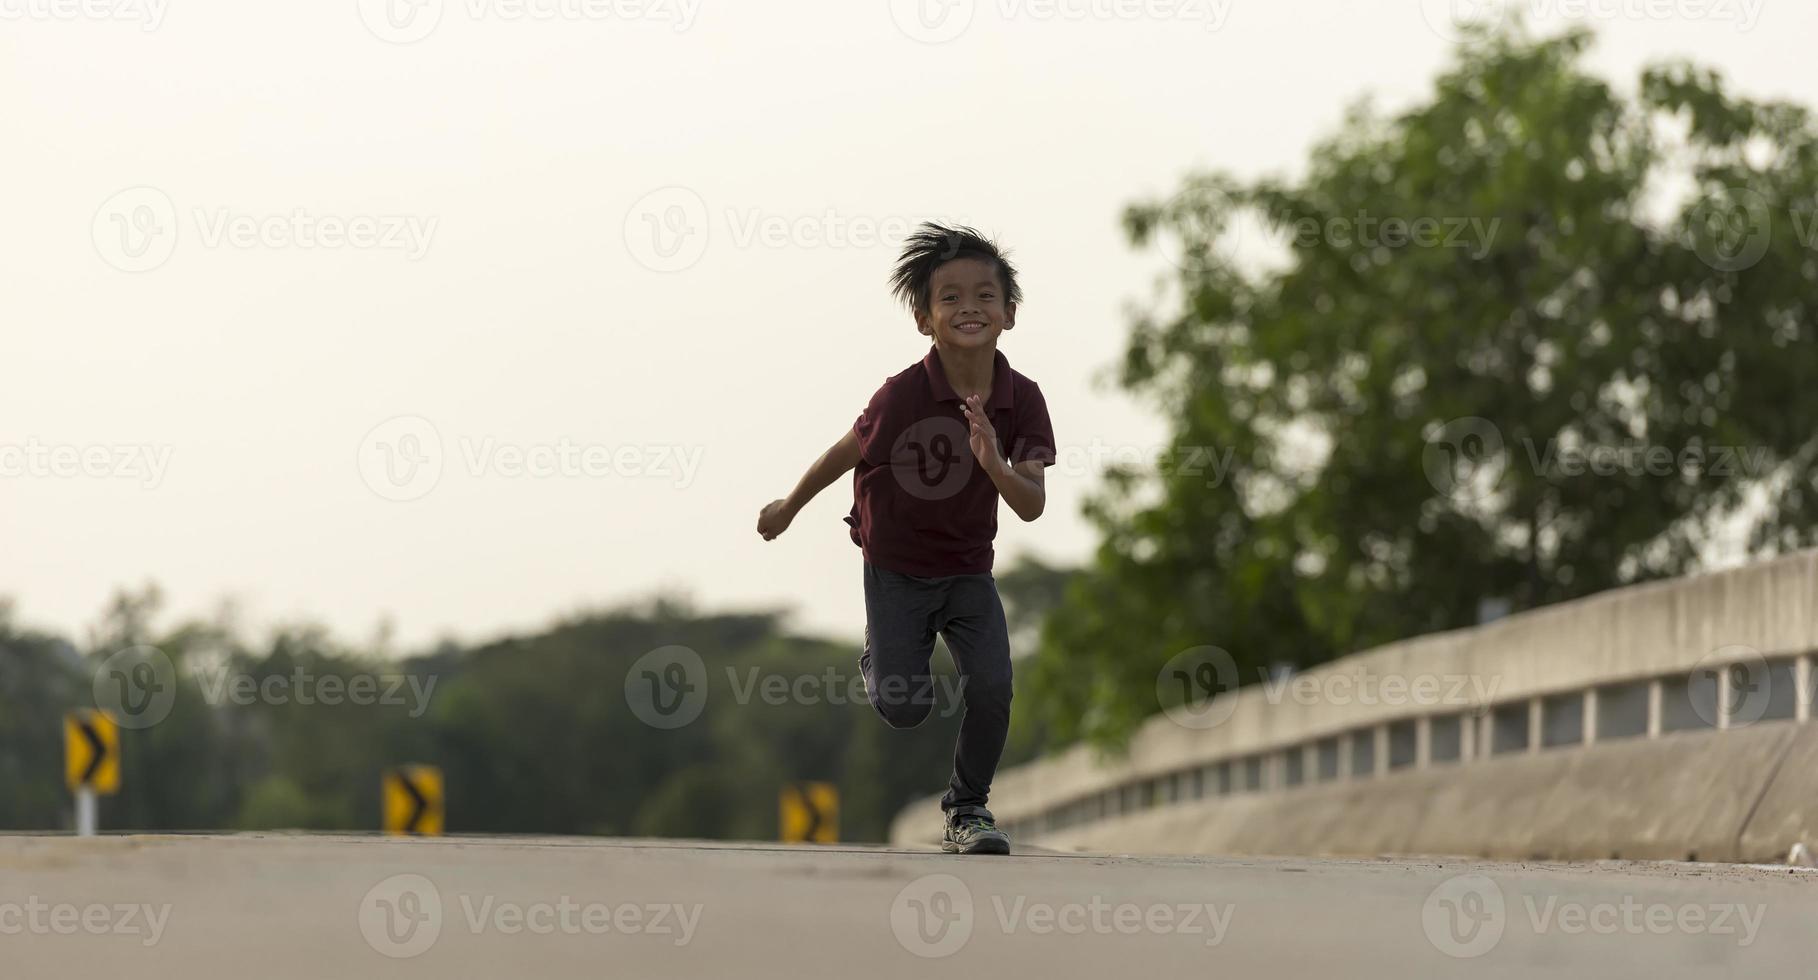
x=970, y=326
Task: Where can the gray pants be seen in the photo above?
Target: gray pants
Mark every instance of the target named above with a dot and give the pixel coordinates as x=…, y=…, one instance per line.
x=902, y=615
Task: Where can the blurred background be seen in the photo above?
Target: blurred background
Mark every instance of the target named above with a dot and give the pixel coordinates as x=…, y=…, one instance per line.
x=389, y=380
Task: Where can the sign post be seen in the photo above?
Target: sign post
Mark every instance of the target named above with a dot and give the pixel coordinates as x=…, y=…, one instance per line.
x=412, y=800
x=91, y=763
x=809, y=813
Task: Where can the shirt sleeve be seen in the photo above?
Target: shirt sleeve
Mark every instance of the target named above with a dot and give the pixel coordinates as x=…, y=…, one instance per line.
x=1034, y=432
x=873, y=428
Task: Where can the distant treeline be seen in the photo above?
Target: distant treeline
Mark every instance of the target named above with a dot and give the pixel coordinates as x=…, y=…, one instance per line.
x=536, y=734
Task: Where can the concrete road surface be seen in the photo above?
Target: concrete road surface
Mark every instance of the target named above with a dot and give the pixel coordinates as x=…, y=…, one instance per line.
x=276, y=907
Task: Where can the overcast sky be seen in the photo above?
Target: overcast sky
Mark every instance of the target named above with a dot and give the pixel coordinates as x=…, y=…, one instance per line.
x=446, y=312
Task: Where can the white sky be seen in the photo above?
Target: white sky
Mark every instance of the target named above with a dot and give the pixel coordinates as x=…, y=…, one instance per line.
x=526, y=151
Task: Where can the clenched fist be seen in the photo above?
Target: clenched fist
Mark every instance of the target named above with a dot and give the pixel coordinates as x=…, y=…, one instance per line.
x=774, y=519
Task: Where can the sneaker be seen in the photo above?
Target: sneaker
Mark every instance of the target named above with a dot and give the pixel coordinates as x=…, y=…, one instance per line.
x=971, y=830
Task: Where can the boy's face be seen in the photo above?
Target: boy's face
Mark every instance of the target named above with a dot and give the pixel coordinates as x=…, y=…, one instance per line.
x=966, y=306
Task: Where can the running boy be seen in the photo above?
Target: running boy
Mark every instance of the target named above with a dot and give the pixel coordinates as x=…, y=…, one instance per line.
x=937, y=446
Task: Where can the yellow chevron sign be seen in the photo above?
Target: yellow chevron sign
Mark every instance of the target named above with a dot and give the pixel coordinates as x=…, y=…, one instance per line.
x=809, y=812
x=412, y=800
x=91, y=751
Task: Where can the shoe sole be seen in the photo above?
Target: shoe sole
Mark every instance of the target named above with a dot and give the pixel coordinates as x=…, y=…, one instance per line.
x=982, y=847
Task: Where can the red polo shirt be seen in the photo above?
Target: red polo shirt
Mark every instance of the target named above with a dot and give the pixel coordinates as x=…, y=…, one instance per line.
x=921, y=503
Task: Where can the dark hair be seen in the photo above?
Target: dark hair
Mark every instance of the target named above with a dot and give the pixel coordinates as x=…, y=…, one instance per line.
x=934, y=245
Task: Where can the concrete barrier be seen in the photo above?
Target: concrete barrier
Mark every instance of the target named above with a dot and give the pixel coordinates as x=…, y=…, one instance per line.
x=1730, y=791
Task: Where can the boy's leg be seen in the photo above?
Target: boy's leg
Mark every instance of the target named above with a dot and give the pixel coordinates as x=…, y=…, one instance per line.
x=900, y=615
x=972, y=623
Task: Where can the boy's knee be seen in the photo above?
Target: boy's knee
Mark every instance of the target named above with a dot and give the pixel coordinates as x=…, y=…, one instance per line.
x=903, y=714
x=901, y=703
x=989, y=688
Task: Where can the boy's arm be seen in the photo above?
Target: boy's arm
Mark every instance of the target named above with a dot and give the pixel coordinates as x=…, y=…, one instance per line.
x=1022, y=485
x=839, y=459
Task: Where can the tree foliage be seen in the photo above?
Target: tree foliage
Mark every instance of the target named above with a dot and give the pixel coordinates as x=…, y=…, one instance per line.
x=1599, y=351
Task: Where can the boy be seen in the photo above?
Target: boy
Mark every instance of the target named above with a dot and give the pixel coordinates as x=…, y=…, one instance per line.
x=934, y=450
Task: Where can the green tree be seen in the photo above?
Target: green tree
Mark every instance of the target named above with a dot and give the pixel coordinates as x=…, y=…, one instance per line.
x=1464, y=301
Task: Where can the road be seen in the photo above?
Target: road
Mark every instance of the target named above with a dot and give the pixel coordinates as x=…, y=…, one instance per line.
x=279, y=907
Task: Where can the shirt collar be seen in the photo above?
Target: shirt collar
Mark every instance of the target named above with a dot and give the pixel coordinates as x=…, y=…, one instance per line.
x=1002, y=392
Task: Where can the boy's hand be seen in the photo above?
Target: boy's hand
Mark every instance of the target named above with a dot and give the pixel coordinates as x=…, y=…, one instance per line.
x=983, y=436
x=774, y=519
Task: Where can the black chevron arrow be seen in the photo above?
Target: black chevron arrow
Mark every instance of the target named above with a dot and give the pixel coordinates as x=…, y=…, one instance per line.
x=814, y=813
x=419, y=804
x=97, y=750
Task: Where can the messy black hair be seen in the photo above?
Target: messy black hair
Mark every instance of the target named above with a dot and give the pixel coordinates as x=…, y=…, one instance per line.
x=934, y=245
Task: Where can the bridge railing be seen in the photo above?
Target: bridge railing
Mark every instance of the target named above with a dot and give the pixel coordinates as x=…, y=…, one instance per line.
x=1709, y=652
